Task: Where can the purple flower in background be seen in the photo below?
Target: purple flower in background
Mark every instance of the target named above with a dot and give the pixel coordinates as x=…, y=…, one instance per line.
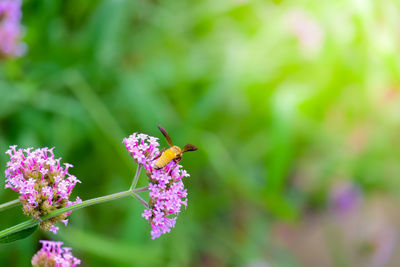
x=345, y=197
x=43, y=183
x=167, y=192
x=10, y=29
x=52, y=254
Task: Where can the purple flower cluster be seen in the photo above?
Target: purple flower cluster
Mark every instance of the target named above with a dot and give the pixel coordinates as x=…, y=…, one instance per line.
x=167, y=195
x=52, y=254
x=167, y=192
x=143, y=148
x=10, y=28
x=43, y=183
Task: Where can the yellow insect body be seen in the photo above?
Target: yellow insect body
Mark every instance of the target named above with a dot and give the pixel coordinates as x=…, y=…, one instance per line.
x=166, y=157
x=173, y=153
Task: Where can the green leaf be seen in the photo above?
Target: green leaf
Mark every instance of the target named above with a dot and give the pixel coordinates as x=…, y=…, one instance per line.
x=18, y=235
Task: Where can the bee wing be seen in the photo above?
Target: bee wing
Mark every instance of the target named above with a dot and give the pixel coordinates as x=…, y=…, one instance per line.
x=189, y=147
x=165, y=133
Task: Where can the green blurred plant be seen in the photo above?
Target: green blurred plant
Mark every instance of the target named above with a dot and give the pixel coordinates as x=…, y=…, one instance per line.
x=276, y=124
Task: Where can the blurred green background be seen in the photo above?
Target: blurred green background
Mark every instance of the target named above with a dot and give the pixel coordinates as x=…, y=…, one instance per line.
x=288, y=102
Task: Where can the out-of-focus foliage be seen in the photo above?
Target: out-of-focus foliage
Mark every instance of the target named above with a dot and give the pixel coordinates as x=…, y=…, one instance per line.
x=285, y=100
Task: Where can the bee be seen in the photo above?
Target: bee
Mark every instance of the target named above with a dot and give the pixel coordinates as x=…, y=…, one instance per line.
x=174, y=153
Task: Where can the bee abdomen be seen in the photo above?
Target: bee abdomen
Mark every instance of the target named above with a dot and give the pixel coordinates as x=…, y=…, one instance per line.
x=165, y=158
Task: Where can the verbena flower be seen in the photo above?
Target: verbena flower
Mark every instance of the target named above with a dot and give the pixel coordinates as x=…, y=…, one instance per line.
x=167, y=192
x=143, y=148
x=10, y=29
x=43, y=183
x=52, y=254
x=167, y=195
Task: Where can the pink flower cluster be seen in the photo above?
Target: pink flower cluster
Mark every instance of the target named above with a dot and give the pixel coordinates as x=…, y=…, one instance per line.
x=167, y=192
x=43, y=183
x=143, y=148
x=10, y=28
x=167, y=195
x=52, y=254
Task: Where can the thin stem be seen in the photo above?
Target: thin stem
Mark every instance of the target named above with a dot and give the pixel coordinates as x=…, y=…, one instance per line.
x=141, y=189
x=9, y=204
x=141, y=200
x=86, y=203
x=24, y=225
x=136, y=178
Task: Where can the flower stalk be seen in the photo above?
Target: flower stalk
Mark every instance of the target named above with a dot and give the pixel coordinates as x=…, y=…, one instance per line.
x=9, y=204
x=30, y=223
x=136, y=178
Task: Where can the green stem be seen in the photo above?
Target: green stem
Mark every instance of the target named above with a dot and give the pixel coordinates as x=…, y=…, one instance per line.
x=86, y=203
x=16, y=228
x=30, y=223
x=142, y=189
x=136, y=178
x=9, y=204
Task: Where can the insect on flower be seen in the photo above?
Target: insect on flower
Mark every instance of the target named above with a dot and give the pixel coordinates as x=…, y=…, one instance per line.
x=174, y=153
